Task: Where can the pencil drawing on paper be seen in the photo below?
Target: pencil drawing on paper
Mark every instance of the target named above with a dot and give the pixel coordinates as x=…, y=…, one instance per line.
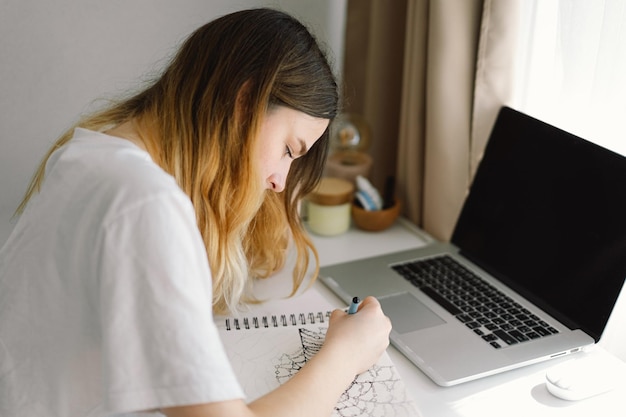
x=377, y=392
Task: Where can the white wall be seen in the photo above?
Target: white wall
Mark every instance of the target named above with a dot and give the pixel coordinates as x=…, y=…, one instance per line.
x=57, y=57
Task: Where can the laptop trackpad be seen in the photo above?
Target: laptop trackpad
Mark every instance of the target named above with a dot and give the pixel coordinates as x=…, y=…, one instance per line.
x=407, y=313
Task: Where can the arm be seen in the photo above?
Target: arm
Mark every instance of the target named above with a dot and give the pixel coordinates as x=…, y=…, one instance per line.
x=353, y=343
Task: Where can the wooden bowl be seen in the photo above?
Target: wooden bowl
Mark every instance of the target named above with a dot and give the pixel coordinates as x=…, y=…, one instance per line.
x=375, y=220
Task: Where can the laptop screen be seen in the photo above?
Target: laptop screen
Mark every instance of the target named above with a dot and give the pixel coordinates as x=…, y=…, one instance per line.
x=546, y=214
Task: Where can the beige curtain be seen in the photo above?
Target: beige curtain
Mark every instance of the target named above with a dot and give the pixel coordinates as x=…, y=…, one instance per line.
x=373, y=60
x=429, y=76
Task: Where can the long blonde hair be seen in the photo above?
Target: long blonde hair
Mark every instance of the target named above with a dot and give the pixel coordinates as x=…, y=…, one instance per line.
x=199, y=120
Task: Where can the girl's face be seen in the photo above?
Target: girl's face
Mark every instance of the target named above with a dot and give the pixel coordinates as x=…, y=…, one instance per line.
x=285, y=135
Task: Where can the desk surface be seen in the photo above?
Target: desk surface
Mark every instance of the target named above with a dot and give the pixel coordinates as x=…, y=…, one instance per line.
x=520, y=392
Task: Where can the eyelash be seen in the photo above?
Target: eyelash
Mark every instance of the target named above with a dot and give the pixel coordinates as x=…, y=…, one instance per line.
x=288, y=152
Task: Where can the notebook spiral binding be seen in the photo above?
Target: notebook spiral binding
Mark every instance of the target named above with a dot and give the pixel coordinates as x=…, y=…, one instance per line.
x=282, y=320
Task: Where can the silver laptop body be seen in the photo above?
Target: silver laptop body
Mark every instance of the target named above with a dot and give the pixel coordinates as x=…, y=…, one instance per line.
x=543, y=227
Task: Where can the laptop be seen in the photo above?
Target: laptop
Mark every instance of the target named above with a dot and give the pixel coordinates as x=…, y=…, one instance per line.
x=536, y=261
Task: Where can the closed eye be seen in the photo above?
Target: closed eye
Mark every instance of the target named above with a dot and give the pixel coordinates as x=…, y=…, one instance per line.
x=302, y=151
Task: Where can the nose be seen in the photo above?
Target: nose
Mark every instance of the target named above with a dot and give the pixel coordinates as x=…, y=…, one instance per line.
x=276, y=182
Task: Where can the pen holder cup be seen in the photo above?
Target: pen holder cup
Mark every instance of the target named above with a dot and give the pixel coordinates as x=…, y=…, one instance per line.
x=375, y=220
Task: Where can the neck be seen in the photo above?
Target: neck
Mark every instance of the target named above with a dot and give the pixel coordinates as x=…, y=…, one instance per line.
x=128, y=131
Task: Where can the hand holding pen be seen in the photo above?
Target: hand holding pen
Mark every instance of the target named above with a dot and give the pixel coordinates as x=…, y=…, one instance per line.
x=360, y=334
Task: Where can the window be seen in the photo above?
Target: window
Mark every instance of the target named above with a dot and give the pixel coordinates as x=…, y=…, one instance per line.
x=571, y=67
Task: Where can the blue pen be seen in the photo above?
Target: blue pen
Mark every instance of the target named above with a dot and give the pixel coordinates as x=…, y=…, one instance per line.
x=354, y=305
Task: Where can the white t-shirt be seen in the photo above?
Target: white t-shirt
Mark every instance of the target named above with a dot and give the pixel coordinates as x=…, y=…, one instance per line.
x=105, y=292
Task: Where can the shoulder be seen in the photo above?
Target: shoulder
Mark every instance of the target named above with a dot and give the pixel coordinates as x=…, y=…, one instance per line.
x=110, y=172
x=116, y=160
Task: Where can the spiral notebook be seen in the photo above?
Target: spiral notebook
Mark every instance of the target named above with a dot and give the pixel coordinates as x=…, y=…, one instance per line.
x=267, y=351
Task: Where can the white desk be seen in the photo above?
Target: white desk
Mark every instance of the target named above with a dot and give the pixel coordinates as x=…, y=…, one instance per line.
x=520, y=392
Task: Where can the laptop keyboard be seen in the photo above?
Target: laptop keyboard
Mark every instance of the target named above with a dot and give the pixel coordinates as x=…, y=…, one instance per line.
x=485, y=310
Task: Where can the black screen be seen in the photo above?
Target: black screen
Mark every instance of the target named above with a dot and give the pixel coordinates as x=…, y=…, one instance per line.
x=546, y=214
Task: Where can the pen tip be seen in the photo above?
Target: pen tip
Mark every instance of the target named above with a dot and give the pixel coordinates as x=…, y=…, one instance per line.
x=356, y=300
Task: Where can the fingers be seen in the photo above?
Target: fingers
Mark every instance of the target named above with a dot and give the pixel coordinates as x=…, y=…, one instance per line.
x=373, y=305
x=368, y=328
x=369, y=305
x=369, y=302
x=336, y=314
x=370, y=309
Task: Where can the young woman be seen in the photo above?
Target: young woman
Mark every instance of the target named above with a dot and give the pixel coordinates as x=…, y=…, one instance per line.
x=152, y=214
